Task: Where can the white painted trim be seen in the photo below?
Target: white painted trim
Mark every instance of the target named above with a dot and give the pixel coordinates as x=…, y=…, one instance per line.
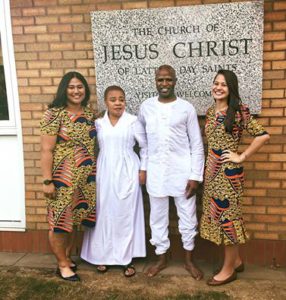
x=13, y=126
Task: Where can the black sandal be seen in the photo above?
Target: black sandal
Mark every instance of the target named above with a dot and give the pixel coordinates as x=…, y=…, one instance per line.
x=74, y=268
x=127, y=268
x=73, y=278
x=102, y=269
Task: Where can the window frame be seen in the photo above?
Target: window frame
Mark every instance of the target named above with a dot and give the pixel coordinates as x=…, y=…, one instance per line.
x=11, y=126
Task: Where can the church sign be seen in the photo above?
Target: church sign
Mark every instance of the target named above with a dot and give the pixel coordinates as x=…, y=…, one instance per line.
x=129, y=45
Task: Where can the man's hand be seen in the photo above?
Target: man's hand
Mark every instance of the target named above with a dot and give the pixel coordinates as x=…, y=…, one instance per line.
x=191, y=188
x=142, y=177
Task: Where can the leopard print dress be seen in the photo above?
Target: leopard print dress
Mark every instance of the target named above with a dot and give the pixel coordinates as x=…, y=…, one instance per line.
x=222, y=221
x=74, y=168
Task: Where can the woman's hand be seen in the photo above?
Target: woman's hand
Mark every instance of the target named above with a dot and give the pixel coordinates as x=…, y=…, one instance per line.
x=142, y=177
x=49, y=191
x=229, y=156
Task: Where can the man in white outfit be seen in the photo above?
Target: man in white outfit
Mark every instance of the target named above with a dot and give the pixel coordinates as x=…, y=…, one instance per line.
x=175, y=167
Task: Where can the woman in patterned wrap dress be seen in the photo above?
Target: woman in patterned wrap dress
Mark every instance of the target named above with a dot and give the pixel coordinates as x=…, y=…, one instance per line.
x=68, y=164
x=222, y=221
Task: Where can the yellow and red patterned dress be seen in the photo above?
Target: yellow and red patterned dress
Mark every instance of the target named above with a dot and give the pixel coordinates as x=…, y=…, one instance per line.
x=222, y=221
x=74, y=168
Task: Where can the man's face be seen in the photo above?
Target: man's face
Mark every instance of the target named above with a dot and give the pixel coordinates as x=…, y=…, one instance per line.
x=165, y=83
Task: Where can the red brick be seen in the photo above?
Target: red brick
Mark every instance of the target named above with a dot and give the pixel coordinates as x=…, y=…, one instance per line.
x=267, y=184
x=254, y=209
x=275, y=130
x=268, y=166
x=67, y=37
x=17, y=21
x=276, y=210
x=105, y=6
x=279, y=45
x=50, y=54
x=64, y=2
x=279, y=26
x=273, y=74
x=278, y=65
x=272, y=112
x=274, y=16
x=31, y=38
x=81, y=28
x=59, y=28
x=72, y=19
x=273, y=93
x=137, y=4
x=39, y=65
x=188, y=2
x=274, y=55
x=75, y=54
x=35, y=11
x=61, y=46
x=83, y=9
x=267, y=201
x=256, y=226
x=279, y=84
x=45, y=2
x=266, y=236
x=63, y=64
x=52, y=37
x=47, y=20
x=280, y=5
x=274, y=36
x=37, y=47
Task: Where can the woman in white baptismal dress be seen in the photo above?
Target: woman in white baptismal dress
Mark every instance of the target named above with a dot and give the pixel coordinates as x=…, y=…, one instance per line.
x=119, y=234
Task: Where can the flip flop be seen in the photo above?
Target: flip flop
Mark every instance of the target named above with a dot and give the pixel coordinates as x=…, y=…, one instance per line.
x=101, y=269
x=126, y=270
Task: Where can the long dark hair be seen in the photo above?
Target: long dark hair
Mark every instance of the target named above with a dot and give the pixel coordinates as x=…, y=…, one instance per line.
x=61, y=95
x=233, y=100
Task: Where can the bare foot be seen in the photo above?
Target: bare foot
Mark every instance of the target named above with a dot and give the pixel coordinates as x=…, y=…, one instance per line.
x=155, y=269
x=195, y=272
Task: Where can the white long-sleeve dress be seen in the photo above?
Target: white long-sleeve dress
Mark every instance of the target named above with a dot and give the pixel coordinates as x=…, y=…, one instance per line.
x=119, y=234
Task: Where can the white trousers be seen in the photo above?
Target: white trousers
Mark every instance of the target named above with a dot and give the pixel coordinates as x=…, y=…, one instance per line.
x=159, y=222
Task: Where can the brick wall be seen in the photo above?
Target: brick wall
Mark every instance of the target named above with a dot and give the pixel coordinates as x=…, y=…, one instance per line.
x=52, y=37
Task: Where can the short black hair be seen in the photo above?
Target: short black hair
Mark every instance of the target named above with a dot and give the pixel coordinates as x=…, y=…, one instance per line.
x=113, y=88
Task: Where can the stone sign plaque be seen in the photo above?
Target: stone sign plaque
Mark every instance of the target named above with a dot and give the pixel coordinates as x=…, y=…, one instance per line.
x=196, y=40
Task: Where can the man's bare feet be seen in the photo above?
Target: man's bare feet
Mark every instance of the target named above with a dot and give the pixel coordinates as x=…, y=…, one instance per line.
x=159, y=266
x=154, y=270
x=195, y=272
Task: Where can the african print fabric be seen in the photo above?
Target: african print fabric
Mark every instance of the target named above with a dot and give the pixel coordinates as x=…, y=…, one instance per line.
x=222, y=221
x=74, y=168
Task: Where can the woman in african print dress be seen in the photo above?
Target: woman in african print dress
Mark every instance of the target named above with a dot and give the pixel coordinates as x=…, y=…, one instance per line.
x=222, y=221
x=68, y=166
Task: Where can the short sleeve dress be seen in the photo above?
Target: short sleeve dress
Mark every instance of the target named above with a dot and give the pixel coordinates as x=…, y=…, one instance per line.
x=222, y=221
x=74, y=168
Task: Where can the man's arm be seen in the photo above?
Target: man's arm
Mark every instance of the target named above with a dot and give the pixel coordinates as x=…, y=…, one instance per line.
x=196, y=152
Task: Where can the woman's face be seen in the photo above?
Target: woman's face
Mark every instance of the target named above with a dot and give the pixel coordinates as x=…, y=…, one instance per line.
x=75, y=92
x=220, y=90
x=115, y=103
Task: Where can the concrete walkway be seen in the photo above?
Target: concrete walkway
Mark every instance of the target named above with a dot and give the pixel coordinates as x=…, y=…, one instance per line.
x=48, y=261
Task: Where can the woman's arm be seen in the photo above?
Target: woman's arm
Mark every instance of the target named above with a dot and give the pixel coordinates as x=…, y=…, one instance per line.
x=256, y=144
x=48, y=144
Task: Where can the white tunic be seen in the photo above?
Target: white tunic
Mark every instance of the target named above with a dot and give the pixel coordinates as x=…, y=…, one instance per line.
x=119, y=234
x=175, y=148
